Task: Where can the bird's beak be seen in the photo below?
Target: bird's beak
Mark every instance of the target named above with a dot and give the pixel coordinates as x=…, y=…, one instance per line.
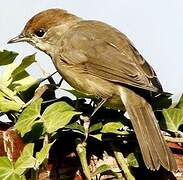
x=20, y=38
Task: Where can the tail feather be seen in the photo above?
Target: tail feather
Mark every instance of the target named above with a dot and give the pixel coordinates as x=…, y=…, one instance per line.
x=143, y=136
x=154, y=150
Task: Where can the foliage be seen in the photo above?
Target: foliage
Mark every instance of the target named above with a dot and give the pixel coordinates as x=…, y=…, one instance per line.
x=174, y=116
x=8, y=170
x=45, y=121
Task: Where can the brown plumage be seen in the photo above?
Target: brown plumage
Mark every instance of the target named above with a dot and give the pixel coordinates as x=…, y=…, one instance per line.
x=98, y=60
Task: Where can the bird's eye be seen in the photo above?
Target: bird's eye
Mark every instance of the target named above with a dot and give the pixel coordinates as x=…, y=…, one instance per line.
x=40, y=32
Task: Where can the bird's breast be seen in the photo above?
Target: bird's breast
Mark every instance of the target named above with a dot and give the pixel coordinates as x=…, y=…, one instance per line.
x=89, y=84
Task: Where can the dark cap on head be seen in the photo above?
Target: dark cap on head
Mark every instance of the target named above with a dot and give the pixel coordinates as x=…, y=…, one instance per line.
x=43, y=21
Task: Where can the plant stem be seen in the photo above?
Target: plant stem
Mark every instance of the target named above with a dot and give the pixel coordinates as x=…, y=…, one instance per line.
x=122, y=162
x=46, y=142
x=81, y=150
x=46, y=139
x=34, y=174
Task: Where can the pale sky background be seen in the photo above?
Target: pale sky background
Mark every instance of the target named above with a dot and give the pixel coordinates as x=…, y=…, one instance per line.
x=155, y=27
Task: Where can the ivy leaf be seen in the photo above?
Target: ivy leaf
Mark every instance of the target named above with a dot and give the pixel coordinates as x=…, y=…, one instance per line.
x=96, y=127
x=20, y=79
x=132, y=161
x=35, y=133
x=16, y=78
x=180, y=103
x=27, y=118
x=97, y=136
x=7, y=57
x=7, y=171
x=15, y=177
x=22, y=82
x=79, y=94
x=26, y=160
x=42, y=155
x=76, y=127
x=113, y=127
x=27, y=61
x=103, y=168
x=7, y=105
x=174, y=118
x=6, y=167
x=58, y=115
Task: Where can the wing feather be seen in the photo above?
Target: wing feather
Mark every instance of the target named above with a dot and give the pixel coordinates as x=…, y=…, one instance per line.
x=105, y=52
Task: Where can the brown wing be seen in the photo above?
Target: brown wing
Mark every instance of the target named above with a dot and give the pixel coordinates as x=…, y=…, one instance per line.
x=105, y=52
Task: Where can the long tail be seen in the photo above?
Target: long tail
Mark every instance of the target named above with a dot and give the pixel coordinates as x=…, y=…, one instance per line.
x=154, y=150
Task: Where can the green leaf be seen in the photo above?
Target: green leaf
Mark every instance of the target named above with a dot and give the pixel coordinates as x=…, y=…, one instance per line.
x=21, y=82
x=27, y=118
x=8, y=105
x=6, y=167
x=26, y=160
x=9, y=94
x=58, y=115
x=132, y=161
x=7, y=57
x=113, y=127
x=15, y=177
x=180, y=103
x=27, y=61
x=42, y=155
x=7, y=171
x=174, y=118
x=97, y=136
x=79, y=94
x=36, y=132
x=103, y=168
x=96, y=127
x=76, y=127
x=6, y=76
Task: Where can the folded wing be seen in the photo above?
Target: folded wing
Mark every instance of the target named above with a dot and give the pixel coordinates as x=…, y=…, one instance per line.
x=105, y=52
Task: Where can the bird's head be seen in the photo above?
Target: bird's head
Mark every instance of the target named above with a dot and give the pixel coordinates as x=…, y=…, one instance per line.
x=46, y=28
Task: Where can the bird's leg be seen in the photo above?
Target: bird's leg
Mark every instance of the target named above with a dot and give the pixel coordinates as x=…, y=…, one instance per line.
x=86, y=119
x=60, y=82
x=99, y=105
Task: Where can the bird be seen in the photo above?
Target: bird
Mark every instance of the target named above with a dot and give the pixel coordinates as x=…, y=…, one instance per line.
x=99, y=60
